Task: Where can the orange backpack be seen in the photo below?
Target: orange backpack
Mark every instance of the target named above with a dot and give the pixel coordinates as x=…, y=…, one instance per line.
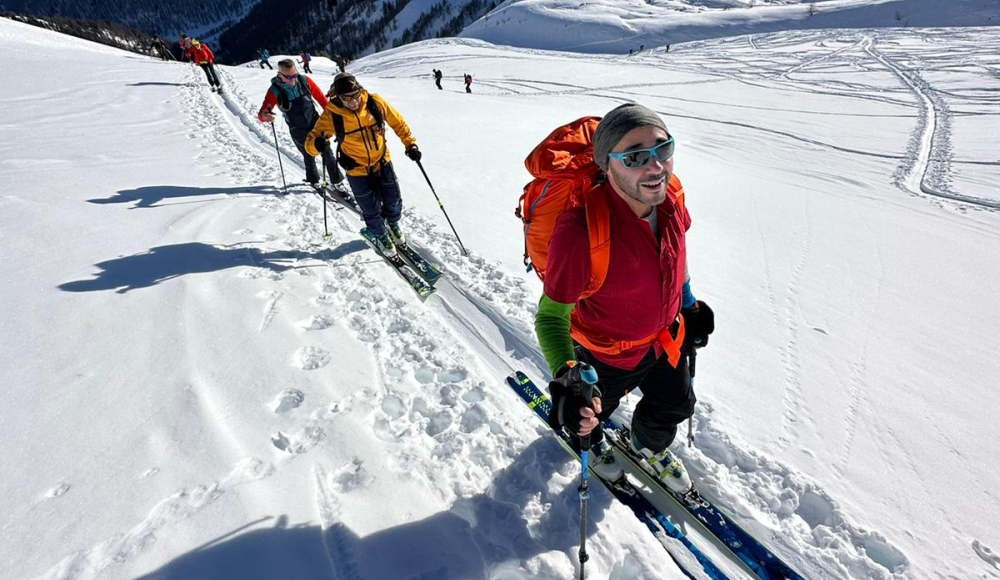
x=564, y=173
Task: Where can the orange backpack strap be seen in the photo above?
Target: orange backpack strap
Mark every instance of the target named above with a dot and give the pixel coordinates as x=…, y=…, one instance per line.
x=599, y=230
x=675, y=188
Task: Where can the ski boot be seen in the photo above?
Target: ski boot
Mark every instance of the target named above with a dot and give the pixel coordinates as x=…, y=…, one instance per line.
x=396, y=233
x=666, y=467
x=384, y=245
x=605, y=464
x=340, y=190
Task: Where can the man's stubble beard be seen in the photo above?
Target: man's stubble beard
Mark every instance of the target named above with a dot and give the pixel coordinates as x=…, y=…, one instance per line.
x=634, y=192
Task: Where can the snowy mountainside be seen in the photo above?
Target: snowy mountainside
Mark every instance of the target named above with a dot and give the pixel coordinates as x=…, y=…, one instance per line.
x=349, y=28
x=205, y=386
x=201, y=18
x=613, y=26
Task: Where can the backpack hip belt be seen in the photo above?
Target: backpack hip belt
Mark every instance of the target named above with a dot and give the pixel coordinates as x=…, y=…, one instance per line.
x=671, y=338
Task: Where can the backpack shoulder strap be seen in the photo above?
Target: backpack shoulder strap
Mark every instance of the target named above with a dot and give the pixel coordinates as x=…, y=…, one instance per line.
x=281, y=97
x=599, y=231
x=675, y=188
x=338, y=126
x=375, y=112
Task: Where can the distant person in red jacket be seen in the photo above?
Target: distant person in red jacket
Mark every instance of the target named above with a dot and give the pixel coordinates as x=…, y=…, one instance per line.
x=294, y=94
x=468, y=83
x=184, y=44
x=202, y=55
x=306, y=58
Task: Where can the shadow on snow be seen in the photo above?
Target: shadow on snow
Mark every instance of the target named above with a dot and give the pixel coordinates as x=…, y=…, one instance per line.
x=148, y=196
x=165, y=262
x=475, y=539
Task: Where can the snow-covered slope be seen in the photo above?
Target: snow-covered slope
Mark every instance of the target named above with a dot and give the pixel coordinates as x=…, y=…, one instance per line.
x=618, y=26
x=197, y=385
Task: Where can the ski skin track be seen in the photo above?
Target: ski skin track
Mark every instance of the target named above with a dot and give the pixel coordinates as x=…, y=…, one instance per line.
x=656, y=522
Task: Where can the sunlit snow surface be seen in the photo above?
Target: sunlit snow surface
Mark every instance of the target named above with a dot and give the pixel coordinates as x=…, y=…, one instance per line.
x=198, y=385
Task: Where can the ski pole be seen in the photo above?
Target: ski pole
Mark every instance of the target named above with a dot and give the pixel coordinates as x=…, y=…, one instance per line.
x=588, y=377
x=278, y=151
x=322, y=195
x=441, y=205
x=691, y=364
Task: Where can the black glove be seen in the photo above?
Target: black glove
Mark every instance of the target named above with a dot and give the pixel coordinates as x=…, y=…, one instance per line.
x=321, y=143
x=699, y=322
x=573, y=387
x=413, y=153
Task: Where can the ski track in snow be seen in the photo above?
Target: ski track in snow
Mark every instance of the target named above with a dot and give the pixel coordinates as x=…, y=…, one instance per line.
x=794, y=413
x=987, y=554
x=913, y=173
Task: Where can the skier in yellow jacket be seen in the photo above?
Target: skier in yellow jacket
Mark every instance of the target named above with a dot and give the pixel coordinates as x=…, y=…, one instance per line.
x=357, y=119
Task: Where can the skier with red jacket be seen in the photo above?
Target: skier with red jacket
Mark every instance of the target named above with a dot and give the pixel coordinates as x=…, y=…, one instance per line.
x=202, y=55
x=622, y=306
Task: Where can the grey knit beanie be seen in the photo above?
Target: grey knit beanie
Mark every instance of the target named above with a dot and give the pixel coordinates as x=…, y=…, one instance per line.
x=617, y=124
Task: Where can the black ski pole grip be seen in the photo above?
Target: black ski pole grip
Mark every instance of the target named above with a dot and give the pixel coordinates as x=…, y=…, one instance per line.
x=588, y=378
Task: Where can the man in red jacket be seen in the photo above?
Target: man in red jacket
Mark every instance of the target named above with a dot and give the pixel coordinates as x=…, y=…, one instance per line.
x=294, y=94
x=639, y=327
x=201, y=55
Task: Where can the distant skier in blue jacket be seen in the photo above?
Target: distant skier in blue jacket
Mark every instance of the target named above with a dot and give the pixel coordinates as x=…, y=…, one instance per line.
x=262, y=56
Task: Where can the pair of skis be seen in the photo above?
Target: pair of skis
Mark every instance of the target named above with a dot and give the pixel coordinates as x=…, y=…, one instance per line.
x=654, y=504
x=413, y=268
x=416, y=271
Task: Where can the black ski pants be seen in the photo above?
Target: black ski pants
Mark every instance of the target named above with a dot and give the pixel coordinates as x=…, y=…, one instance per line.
x=263, y=62
x=299, y=135
x=305, y=67
x=209, y=68
x=667, y=398
x=438, y=83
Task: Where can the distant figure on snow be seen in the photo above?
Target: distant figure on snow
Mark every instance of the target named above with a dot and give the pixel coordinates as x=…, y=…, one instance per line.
x=262, y=56
x=437, y=78
x=305, y=56
x=158, y=48
x=184, y=43
x=468, y=83
x=201, y=55
x=294, y=94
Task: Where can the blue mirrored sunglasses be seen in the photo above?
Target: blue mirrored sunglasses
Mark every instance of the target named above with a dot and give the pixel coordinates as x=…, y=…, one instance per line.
x=639, y=157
